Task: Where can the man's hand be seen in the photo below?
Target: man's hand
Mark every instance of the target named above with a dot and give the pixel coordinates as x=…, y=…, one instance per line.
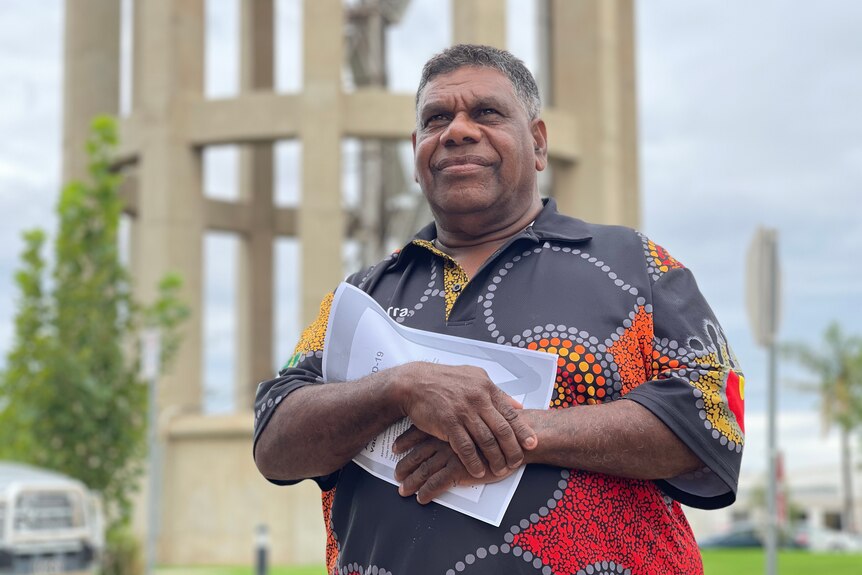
x=461, y=406
x=431, y=467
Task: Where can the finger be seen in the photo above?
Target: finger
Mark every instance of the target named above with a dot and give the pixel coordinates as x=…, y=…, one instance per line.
x=488, y=443
x=414, y=458
x=420, y=476
x=526, y=436
x=409, y=439
x=505, y=436
x=438, y=483
x=514, y=402
x=463, y=446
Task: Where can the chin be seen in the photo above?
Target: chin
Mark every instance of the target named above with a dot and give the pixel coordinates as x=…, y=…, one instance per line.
x=462, y=201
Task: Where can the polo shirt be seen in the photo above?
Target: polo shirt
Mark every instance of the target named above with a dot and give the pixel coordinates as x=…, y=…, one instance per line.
x=627, y=322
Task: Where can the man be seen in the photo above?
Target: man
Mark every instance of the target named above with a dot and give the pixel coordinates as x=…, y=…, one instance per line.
x=647, y=410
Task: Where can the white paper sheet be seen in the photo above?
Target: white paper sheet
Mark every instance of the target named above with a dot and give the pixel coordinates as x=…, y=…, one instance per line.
x=362, y=339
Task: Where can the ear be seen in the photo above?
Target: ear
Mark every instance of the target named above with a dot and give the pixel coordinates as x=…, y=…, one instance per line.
x=413, y=140
x=540, y=143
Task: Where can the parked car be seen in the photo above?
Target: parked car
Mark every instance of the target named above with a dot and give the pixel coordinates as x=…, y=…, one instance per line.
x=745, y=535
x=49, y=523
x=739, y=536
x=823, y=539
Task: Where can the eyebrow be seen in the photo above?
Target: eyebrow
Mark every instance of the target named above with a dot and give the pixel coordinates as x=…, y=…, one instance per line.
x=490, y=102
x=438, y=106
x=432, y=108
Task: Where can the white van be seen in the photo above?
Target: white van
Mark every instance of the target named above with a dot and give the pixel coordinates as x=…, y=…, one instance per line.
x=49, y=523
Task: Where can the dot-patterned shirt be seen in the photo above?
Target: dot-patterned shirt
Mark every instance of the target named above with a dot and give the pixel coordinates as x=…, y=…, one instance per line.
x=627, y=321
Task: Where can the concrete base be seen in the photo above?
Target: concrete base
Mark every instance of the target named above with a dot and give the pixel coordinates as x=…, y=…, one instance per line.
x=214, y=497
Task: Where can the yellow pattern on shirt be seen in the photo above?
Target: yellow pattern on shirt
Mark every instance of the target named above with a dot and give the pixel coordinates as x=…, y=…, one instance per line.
x=453, y=274
x=313, y=336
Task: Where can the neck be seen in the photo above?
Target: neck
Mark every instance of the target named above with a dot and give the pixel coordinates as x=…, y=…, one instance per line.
x=473, y=231
x=471, y=250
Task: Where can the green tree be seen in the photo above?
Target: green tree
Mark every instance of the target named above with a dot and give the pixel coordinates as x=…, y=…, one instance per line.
x=837, y=366
x=71, y=398
x=24, y=377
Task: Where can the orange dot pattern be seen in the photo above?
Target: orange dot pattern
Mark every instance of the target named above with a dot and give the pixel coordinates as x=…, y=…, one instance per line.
x=326, y=498
x=582, y=379
x=312, y=338
x=662, y=364
x=659, y=261
x=633, y=350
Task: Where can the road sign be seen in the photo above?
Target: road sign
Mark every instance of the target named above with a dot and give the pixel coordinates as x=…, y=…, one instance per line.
x=763, y=286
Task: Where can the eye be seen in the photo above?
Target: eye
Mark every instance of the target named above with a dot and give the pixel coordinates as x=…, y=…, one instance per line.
x=435, y=120
x=488, y=111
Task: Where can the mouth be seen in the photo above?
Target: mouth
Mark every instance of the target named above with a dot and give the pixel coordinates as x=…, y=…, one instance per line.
x=461, y=163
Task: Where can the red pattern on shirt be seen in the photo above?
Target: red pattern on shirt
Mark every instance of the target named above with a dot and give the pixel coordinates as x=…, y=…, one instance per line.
x=595, y=520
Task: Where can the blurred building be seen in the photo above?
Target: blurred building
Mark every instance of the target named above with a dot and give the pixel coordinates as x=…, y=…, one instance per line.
x=212, y=496
x=810, y=496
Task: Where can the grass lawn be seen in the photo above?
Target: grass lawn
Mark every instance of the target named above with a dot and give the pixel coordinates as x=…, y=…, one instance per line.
x=753, y=562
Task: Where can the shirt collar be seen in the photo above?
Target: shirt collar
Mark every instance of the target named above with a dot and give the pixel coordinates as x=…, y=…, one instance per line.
x=552, y=225
x=549, y=225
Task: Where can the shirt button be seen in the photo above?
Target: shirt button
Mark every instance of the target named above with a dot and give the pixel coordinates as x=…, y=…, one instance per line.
x=456, y=288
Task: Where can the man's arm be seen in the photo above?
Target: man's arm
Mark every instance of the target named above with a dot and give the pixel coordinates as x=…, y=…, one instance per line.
x=318, y=428
x=619, y=438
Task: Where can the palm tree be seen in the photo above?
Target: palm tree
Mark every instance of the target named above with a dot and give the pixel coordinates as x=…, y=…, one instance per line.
x=838, y=366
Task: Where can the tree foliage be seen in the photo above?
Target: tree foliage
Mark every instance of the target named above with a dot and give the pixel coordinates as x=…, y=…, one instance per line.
x=71, y=398
x=837, y=366
x=838, y=369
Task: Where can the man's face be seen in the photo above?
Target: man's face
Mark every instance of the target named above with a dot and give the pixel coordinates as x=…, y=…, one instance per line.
x=475, y=148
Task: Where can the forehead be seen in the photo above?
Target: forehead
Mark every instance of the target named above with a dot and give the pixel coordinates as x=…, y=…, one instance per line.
x=468, y=83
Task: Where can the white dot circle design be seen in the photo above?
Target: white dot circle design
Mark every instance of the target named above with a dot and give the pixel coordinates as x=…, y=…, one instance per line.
x=432, y=291
x=505, y=547
x=503, y=269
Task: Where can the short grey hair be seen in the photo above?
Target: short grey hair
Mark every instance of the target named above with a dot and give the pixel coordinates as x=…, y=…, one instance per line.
x=472, y=55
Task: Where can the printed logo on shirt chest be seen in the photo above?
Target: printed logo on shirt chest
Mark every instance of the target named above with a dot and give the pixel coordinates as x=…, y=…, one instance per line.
x=397, y=312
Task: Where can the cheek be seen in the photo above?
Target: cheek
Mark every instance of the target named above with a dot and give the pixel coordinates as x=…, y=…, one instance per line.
x=422, y=157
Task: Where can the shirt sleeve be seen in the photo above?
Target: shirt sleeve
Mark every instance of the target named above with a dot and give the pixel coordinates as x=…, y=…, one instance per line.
x=695, y=386
x=304, y=368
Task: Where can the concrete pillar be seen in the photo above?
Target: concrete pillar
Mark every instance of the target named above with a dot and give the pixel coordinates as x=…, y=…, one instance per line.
x=479, y=22
x=593, y=77
x=321, y=219
x=370, y=54
x=137, y=53
x=170, y=223
x=91, y=75
x=135, y=233
x=255, y=277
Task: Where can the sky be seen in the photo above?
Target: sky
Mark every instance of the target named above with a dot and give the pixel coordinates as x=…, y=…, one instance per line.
x=748, y=116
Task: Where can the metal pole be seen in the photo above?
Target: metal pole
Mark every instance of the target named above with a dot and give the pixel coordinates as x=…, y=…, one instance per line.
x=150, y=355
x=772, y=493
x=261, y=541
x=763, y=302
x=772, y=498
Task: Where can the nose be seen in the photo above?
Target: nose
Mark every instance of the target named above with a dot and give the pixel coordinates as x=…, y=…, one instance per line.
x=461, y=130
